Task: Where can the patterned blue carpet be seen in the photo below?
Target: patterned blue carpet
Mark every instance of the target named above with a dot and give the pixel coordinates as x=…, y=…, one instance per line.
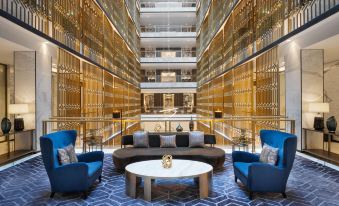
x=309, y=184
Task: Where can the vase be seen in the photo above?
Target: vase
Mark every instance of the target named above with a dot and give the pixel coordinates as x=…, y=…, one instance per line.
x=179, y=128
x=191, y=125
x=6, y=125
x=331, y=124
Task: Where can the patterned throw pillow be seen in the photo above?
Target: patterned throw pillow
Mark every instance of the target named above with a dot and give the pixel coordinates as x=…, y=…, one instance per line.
x=269, y=155
x=168, y=141
x=63, y=157
x=140, y=139
x=71, y=153
x=67, y=155
x=196, y=139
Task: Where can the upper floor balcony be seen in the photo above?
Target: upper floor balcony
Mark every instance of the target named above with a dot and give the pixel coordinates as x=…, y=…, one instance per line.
x=168, y=6
x=171, y=56
x=168, y=31
x=168, y=78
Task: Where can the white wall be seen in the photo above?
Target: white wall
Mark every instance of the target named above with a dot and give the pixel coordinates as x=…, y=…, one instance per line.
x=45, y=52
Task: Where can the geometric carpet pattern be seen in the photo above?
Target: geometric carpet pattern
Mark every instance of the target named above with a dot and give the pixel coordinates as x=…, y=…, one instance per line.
x=310, y=183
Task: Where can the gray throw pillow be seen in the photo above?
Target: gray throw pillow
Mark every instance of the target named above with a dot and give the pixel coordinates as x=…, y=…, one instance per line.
x=71, y=153
x=196, y=139
x=168, y=141
x=140, y=139
x=67, y=155
x=63, y=157
x=269, y=155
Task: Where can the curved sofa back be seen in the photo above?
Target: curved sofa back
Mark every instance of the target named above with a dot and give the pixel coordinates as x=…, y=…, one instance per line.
x=182, y=139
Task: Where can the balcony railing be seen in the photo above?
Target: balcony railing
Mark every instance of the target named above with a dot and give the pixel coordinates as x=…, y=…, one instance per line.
x=161, y=78
x=162, y=110
x=226, y=129
x=166, y=28
x=168, y=54
x=167, y=4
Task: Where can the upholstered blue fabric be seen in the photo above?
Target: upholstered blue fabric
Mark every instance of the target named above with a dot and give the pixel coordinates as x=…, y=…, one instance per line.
x=262, y=177
x=242, y=167
x=74, y=177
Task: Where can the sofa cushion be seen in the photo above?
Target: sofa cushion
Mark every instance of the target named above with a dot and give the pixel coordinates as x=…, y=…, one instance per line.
x=181, y=139
x=67, y=155
x=242, y=167
x=211, y=155
x=140, y=139
x=196, y=139
x=63, y=157
x=167, y=141
x=269, y=155
x=93, y=167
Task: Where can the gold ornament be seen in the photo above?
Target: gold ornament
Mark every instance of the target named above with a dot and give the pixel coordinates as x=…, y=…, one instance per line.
x=167, y=161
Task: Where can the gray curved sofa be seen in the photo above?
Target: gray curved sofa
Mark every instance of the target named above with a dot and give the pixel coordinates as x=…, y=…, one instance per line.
x=209, y=154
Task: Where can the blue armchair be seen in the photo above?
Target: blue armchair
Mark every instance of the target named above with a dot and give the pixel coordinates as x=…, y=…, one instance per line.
x=74, y=177
x=262, y=177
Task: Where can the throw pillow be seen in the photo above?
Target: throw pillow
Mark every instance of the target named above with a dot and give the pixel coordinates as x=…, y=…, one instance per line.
x=168, y=141
x=67, y=155
x=269, y=155
x=196, y=139
x=71, y=153
x=63, y=157
x=140, y=139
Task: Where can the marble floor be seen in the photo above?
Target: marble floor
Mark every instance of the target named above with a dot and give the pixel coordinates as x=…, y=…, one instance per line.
x=310, y=183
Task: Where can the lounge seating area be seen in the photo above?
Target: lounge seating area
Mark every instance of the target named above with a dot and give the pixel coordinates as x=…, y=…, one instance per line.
x=208, y=154
x=105, y=184
x=169, y=102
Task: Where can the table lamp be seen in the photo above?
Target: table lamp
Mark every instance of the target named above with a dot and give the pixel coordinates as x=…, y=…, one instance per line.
x=318, y=107
x=18, y=109
x=218, y=114
x=118, y=115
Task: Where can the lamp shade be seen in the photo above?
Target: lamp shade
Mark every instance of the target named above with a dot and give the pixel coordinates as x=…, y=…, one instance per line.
x=18, y=109
x=318, y=107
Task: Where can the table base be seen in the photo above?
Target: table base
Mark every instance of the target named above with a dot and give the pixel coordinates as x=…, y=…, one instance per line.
x=204, y=181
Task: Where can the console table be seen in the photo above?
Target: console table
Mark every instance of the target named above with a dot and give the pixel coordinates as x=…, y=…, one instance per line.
x=328, y=137
x=11, y=137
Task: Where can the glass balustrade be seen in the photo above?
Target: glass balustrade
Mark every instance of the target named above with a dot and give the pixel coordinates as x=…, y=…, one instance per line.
x=168, y=54
x=166, y=28
x=167, y=4
x=164, y=78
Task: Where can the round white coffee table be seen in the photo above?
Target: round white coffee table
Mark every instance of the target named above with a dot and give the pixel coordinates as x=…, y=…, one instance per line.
x=152, y=169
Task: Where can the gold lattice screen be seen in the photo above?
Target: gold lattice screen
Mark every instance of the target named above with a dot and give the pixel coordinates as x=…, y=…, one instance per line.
x=69, y=88
x=243, y=17
x=66, y=22
x=93, y=90
x=267, y=87
x=243, y=93
x=92, y=32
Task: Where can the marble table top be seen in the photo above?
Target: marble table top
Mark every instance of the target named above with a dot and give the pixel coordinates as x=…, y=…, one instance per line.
x=179, y=169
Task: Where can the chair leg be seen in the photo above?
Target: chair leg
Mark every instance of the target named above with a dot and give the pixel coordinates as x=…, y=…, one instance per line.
x=284, y=195
x=250, y=196
x=85, y=194
x=52, y=195
x=100, y=178
x=235, y=179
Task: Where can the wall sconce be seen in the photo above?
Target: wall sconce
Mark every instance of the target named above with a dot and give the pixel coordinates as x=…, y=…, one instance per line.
x=318, y=107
